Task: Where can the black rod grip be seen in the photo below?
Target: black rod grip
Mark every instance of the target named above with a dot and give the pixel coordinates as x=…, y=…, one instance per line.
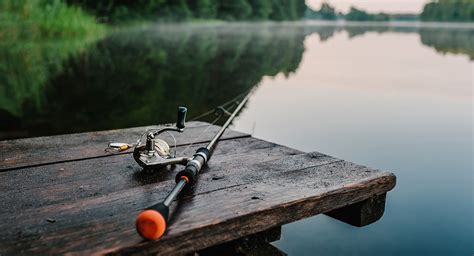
x=190, y=172
x=151, y=223
x=181, y=117
x=194, y=166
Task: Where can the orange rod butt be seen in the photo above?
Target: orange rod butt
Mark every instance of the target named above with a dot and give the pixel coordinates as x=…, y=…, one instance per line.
x=150, y=224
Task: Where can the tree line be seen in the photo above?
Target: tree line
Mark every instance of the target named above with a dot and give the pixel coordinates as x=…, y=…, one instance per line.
x=328, y=12
x=441, y=10
x=122, y=10
x=448, y=10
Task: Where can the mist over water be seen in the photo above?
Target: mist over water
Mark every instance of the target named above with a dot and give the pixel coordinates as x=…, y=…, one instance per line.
x=397, y=98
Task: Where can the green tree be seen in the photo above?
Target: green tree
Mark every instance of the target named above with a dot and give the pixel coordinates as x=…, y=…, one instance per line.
x=234, y=10
x=115, y=11
x=278, y=10
x=357, y=15
x=292, y=10
x=261, y=9
x=179, y=10
x=380, y=17
x=327, y=12
x=301, y=8
x=204, y=9
x=449, y=10
x=286, y=10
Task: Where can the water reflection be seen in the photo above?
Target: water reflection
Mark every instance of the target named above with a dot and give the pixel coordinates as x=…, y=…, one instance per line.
x=455, y=40
x=403, y=107
x=25, y=69
x=392, y=97
x=138, y=77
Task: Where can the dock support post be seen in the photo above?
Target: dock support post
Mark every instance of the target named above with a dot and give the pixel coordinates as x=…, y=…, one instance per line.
x=362, y=213
x=254, y=245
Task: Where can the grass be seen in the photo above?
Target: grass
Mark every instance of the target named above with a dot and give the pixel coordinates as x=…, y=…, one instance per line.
x=36, y=37
x=45, y=19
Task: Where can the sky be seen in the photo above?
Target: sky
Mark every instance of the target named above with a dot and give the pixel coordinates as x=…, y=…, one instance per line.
x=388, y=6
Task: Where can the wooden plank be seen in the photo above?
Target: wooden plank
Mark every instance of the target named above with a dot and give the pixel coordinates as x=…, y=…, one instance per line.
x=253, y=245
x=15, y=154
x=247, y=198
x=362, y=213
x=60, y=183
x=257, y=250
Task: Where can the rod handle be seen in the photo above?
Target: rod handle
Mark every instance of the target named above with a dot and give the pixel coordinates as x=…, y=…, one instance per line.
x=151, y=223
x=181, y=117
x=194, y=166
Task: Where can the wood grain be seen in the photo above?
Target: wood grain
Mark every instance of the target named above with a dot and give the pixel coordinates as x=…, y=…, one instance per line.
x=243, y=203
x=63, y=182
x=89, y=206
x=254, y=245
x=362, y=213
x=15, y=154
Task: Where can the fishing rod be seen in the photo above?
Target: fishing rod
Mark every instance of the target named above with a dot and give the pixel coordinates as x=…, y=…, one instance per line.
x=152, y=222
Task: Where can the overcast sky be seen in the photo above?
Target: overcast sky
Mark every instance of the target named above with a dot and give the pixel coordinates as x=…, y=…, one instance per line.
x=390, y=6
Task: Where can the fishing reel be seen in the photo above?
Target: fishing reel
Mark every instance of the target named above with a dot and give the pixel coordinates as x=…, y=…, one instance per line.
x=155, y=153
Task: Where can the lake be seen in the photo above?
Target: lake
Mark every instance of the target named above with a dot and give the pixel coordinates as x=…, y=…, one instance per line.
x=396, y=97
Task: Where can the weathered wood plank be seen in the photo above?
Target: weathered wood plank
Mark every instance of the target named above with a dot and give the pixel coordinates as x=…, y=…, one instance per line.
x=15, y=154
x=362, y=213
x=250, y=185
x=247, y=199
x=276, y=207
x=60, y=183
x=254, y=245
x=259, y=250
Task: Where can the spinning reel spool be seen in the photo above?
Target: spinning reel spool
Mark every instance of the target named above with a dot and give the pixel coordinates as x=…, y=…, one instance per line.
x=155, y=153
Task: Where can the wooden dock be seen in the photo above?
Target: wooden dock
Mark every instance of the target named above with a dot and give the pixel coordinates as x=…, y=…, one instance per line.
x=65, y=194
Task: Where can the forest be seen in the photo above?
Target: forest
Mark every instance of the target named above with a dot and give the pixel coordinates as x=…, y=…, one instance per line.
x=448, y=10
x=328, y=12
x=442, y=10
x=177, y=10
x=40, y=19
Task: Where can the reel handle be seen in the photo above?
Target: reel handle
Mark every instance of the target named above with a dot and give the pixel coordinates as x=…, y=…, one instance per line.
x=181, y=117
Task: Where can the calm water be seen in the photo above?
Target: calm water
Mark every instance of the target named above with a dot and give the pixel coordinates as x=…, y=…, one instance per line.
x=395, y=98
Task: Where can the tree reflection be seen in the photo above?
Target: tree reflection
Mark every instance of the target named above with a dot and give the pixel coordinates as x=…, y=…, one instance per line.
x=138, y=77
x=443, y=40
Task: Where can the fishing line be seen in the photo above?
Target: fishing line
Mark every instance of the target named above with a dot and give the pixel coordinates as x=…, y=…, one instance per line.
x=216, y=110
x=233, y=100
x=208, y=126
x=219, y=111
x=200, y=135
x=174, y=139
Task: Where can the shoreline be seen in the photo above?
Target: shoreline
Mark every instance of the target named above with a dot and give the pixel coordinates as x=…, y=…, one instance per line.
x=411, y=24
x=311, y=23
